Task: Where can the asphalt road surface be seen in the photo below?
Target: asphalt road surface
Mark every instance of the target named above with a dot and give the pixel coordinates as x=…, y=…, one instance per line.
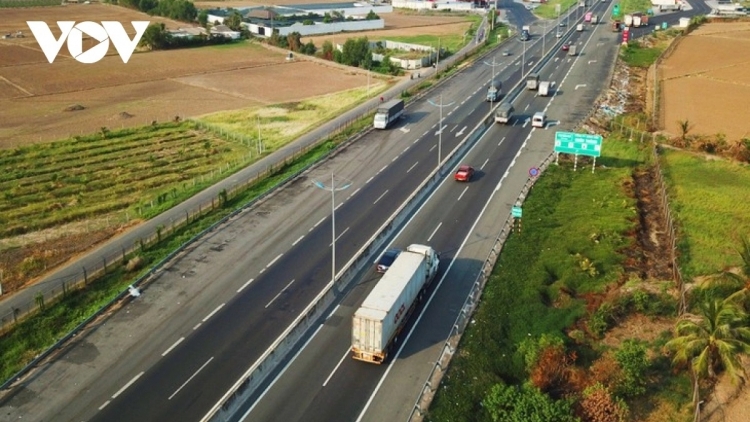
x=323, y=383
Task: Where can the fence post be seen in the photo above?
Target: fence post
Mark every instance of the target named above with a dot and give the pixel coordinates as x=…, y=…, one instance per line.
x=85, y=276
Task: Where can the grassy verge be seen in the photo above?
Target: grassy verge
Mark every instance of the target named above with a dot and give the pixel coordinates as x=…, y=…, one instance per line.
x=711, y=215
x=637, y=56
x=632, y=6
x=574, y=228
x=37, y=333
x=548, y=10
x=28, y=3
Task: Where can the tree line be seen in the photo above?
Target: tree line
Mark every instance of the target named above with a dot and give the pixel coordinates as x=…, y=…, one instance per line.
x=181, y=10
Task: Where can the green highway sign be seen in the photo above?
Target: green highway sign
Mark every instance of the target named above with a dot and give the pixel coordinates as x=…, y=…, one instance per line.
x=578, y=144
x=516, y=212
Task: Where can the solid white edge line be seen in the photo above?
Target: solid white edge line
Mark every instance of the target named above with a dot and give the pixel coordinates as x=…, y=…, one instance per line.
x=370, y=179
x=104, y=405
x=173, y=346
x=333, y=311
x=135, y=378
x=355, y=192
x=278, y=377
x=213, y=312
x=384, y=167
x=191, y=377
x=298, y=240
x=197, y=325
x=337, y=367
x=319, y=221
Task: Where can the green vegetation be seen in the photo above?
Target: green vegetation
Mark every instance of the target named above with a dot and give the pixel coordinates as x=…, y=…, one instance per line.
x=143, y=171
x=282, y=123
x=37, y=333
x=548, y=10
x=450, y=43
x=574, y=232
x=28, y=3
x=711, y=219
x=635, y=55
x=632, y=6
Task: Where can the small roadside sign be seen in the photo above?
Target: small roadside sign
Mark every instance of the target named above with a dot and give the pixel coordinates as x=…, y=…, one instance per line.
x=533, y=172
x=516, y=212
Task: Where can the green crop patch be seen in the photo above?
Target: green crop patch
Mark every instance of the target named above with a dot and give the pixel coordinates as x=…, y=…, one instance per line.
x=46, y=185
x=711, y=201
x=573, y=232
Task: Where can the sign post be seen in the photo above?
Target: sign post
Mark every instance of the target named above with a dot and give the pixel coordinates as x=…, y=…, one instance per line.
x=516, y=212
x=578, y=144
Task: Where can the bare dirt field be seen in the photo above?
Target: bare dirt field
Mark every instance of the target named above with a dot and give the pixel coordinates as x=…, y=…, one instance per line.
x=35, y=95
x=401, y=24
x=706, y=81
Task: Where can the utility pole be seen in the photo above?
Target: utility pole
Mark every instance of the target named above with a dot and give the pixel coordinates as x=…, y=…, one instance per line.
x=440, y=126
x=492, y=81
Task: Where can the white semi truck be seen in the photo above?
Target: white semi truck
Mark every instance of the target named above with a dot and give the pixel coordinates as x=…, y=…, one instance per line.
x=388, y=113
x=386, y=309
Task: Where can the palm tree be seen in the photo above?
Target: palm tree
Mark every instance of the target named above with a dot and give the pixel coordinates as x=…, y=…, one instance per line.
x=713, y=341
x=739, y=281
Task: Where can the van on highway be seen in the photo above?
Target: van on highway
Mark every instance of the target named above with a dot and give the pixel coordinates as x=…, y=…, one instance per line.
x=538, y=119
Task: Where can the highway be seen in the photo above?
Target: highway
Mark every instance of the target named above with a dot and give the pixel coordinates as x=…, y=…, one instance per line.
x=323, y=382
x=183, y=365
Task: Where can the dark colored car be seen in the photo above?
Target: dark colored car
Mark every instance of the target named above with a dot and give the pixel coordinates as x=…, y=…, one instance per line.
x=386, y=260
x=565, y=47
x=464, y=173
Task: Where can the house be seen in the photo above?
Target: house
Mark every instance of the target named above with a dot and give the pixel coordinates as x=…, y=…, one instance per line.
x=225, y=31
x=192, y=32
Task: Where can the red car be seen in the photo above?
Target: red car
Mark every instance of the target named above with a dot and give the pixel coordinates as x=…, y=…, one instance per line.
x=566, y=47
x=464, y=173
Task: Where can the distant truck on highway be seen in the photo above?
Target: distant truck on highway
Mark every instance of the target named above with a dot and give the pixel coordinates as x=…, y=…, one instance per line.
x=532, y=81
x=388, y=113
x=493, y=92
x=594, y=19
x=504, y=113
x=386, y=309
x=544, y=88
x=572, y=50
x=628, y=20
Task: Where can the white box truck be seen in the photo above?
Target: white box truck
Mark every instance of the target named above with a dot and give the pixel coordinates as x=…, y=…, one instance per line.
x=504, y=113
x=387, y=113
x=386, y=309
x=544, y=88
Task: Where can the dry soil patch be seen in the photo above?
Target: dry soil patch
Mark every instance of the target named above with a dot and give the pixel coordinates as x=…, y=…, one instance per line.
x=705, y=81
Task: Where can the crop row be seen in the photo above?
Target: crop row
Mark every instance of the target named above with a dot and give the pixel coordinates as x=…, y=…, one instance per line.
x=74, y=173
x=118, y=172
x=77, y=146
x=32, y=167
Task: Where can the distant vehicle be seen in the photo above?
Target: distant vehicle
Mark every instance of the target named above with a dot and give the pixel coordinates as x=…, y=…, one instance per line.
x=388, y=113
x=628, y=20
x=562, y=24
x=526, y=28
x=538, y=119
x=493, y=92
x=616, y=26
x=565, y=47
x=636, y=20
x=572, y=50
x=579, y=28
x=506, y=53
x=544, y=87
x=532, y=81
x=504, y=113
x=594, y=19
x=587, y=17
x=385, y=261
x=464, y=173
x=383, y=314
x=559, y=34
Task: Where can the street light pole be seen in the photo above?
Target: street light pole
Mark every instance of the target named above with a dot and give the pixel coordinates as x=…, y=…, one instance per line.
x=333, y=188
x=440, y=126
x=492, y=81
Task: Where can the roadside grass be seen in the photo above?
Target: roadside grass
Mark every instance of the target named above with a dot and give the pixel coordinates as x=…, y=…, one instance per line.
x=37, y=333
x=637, y=56
x=633, y=6
x=28, y=3
x=280, y=124
x=547, y=10
x=711, y=201
x=47, y=185
x=573, y=230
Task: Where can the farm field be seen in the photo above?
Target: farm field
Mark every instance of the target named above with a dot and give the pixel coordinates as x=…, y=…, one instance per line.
x=706, y=82
x=37, y=105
